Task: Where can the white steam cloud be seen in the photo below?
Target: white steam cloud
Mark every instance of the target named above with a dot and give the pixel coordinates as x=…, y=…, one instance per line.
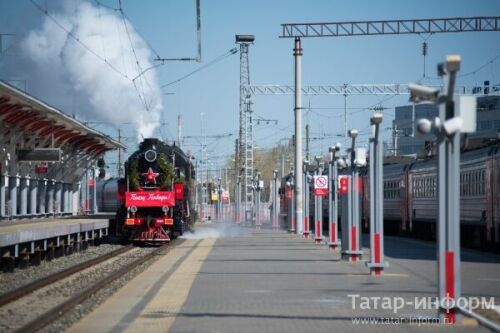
x=215, y=230
x=107, y=95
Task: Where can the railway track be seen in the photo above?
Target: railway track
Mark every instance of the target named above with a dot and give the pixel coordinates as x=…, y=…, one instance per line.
x=60, y=305
x=17, y=293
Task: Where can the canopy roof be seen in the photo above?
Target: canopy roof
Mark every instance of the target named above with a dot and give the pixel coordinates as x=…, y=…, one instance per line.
x=20, y=111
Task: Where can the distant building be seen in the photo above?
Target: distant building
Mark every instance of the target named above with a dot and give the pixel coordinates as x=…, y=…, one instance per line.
x=488, y=123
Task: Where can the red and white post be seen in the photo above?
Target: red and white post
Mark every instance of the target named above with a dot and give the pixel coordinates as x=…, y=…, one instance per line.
x=376, y=263
x=320, y=189
x=333, y=199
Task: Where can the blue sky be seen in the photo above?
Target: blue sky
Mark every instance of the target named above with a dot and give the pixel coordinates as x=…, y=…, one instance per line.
x=169, y=26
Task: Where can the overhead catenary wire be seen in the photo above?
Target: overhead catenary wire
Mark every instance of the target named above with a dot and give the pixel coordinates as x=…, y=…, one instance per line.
x=138, y=64
x=210, y=63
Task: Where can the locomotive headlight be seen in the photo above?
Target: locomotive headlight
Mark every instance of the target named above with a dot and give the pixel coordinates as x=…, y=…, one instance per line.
x=150, y=155
x=133, y=209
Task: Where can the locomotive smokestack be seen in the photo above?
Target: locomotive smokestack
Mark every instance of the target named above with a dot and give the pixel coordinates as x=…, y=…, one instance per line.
x=149, y=143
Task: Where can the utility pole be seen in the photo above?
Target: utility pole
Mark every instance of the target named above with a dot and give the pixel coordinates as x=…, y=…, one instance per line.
x=308, y=139
x=119, y=154
x=345, y=114
x=394, y=139
x=297, y=52
x=179, y=131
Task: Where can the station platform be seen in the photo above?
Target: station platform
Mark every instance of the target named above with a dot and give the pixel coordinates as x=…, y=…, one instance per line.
x=232, y=279
x=25, y=237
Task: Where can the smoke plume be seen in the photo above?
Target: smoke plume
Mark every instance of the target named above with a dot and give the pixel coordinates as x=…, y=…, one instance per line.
x=94, y=80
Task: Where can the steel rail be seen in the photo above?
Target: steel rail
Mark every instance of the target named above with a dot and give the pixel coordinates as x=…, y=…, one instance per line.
x=55, y=313
x=28, y=288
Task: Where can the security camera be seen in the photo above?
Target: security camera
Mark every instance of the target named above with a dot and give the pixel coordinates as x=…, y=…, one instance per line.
x=353, y=133
x=419, y=93
x=342, y=163
x=453, y=125
x=376, y=118
x=424, y=126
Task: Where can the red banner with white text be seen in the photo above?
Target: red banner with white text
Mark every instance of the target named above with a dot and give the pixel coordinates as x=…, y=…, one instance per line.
x=149, y=199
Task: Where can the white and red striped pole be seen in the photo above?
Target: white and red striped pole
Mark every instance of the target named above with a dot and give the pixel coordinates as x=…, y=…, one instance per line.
x=332, y=198
x=318, y=203
x=376, y=263
x=306, y=199
x=456, y=115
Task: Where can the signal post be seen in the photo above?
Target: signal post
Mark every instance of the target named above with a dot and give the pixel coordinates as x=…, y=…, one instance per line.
x=320, y=189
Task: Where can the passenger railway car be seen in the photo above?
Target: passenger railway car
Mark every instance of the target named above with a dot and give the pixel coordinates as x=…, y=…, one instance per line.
x=155, y=195
x=411, y=203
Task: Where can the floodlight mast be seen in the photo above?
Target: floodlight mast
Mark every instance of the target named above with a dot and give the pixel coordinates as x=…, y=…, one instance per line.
x=245, y=119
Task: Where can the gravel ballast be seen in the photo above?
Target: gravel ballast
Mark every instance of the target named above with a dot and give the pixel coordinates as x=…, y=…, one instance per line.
x=20, y=277
x=22, y=311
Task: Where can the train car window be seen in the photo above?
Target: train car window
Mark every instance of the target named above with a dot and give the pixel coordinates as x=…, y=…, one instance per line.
x=466, y=184
x=434, y=187
x=461, y=184
x=481, y=184
x=476, y=182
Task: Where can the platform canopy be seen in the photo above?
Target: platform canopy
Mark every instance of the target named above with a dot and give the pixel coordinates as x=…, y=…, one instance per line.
x=28, y=122
x=47, y=153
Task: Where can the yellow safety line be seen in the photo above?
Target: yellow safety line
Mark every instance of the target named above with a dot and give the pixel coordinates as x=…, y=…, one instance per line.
x=160, y=313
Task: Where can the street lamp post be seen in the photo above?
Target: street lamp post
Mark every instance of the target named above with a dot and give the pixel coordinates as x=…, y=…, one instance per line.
x=333, y=197
x=219, y=201
x=291, y=184
x=306, y=199
x=238, y=201
x=318, y=206
x=258, y=188
x=376, y=263
x=274, y=213
x=353, y=252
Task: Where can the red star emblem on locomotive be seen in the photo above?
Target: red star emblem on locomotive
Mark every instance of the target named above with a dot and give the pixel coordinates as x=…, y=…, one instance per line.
x=150, y=176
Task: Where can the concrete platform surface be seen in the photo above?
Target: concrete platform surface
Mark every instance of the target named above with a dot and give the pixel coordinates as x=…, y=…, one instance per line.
x=235, y=279
x=15, y=233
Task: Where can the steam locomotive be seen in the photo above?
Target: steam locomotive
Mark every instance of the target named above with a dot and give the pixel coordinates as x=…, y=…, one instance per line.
x=155, y=195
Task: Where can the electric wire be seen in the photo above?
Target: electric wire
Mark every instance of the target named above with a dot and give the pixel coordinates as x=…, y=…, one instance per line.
x=212, y=62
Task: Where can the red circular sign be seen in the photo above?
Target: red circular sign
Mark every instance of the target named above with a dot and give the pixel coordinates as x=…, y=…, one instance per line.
x=321, y=182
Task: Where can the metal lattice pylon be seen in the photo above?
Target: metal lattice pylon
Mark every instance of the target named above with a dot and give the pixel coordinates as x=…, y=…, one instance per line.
x=246, y=130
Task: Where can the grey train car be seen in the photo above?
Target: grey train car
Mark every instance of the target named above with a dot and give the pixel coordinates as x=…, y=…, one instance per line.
x=410, y=191
x=107, y=195
x=410, y=198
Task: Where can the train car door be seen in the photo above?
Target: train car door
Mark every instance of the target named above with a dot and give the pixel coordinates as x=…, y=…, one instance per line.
x=405, y=196
x=492, y=188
